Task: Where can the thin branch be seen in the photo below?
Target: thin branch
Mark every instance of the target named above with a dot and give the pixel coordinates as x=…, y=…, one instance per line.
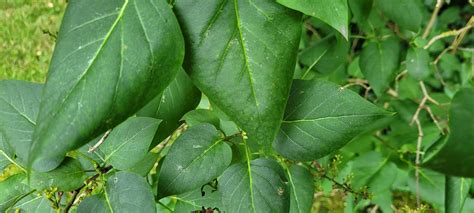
x=417, y=160
x=448, y=34
x=461, y=36
x=101, y=141
x=434, y=15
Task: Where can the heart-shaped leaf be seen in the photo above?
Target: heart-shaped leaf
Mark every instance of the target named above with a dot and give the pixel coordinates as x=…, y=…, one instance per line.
x=321, y=117
x=253, y=187
x=196, y=157
x=242, y=55
x=379, y=61
x=111, y=58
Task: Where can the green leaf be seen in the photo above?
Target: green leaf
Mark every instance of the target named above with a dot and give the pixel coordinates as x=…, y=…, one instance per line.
x=32, y=204
x=326, y=55
x=253, y=187
x=199, y=116
x=321, y=117
x=67, y=177
x=457, y=190
x=179, y=97
x=144, y=166
x=378, y=174
x=111, y=58
x=19, y=104
x=405, y=13
x=198, y=156
x=128, y=192
x=5, y=153
x=301, y=188
x=379, y=61
x=449, y=155
x=95, y=203
x=193, y=201
x=11, y=190
x=128, y=143
x=332, y=12
x=242, y=55
x=361, y=9
x=418, y=63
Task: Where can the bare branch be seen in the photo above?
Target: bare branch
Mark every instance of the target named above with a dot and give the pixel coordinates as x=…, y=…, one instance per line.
x=101, y=141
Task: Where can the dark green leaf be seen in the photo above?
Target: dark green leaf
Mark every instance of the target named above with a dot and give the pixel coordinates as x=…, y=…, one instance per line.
x=457, y=190
x=19, y=104
x=11, y=190
x=325, y=56
x=301, y=188
x=128, y=143
x=196, y=157
x=128, y=192
x=449, y=155
x=111, y=58
x=242, y=55
x=178, y=98
x=193, y=201
x=379, y=61
x=67, y=177
x=418, y=63
x=95, y=203
x=253, y=187
x=199, y=116
x=403, y=12
x=360, y=9
x=320, y=118
x=333, y=12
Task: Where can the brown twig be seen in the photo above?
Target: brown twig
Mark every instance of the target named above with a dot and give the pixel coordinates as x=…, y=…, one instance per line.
x=417, y=160
x=101, y=141
x=434, y=15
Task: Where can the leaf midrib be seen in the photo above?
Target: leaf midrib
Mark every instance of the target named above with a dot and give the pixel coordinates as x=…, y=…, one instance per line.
x=94, y=59
x=333, y=117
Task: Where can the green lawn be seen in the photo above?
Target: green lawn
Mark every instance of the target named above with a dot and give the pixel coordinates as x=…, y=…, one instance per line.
x=25, y=48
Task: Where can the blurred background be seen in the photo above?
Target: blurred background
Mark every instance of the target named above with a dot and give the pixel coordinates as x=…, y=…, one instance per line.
x=27, y=30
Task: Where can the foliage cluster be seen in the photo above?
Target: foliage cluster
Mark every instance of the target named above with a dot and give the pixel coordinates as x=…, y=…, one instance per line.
x=246, y=106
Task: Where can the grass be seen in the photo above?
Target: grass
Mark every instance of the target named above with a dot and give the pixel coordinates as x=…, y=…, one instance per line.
x=25, y=48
